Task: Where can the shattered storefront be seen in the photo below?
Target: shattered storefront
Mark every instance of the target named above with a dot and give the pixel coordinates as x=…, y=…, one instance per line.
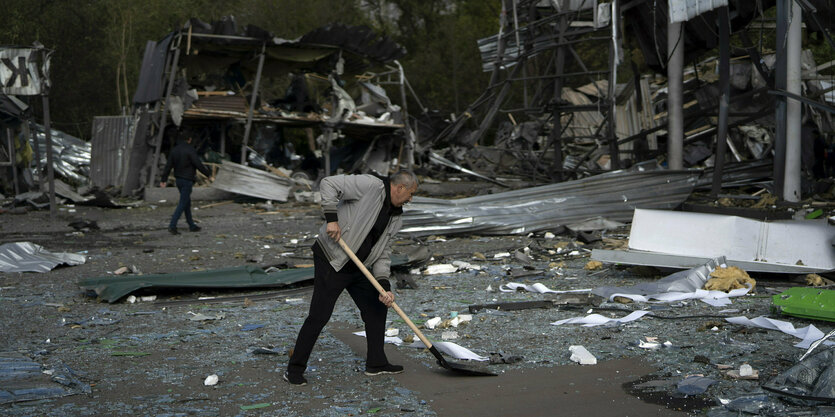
x=227, y=93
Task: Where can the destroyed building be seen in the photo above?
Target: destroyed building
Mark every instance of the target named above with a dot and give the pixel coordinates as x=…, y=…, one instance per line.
x=245, y=94
x=679, y=309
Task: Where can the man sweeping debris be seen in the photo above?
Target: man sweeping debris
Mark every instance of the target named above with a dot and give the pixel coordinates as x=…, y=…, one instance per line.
x=365, y=211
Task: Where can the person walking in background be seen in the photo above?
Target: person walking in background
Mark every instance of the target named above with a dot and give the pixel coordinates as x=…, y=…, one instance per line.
x=366, y=211
x=185, y=162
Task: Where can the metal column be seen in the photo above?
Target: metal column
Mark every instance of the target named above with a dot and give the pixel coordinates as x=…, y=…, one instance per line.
x=614, y=154
x=791, y=185
x=675, y=111
x=724, y=99
x=49, y=168
x=252, y=104
x=780, y=85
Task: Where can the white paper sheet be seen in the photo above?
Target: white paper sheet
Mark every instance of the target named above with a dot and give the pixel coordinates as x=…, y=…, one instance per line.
x=597, y=320
x=714, y=298
x=537, y=288
x=389, y=339
x=809, y=334
x=451, y=349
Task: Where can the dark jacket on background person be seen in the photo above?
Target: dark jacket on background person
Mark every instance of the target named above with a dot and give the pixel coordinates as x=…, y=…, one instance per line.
x=185, y=161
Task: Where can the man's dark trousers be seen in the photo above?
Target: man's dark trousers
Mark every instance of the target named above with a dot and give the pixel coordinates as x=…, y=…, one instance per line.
x=327, y=286
x=184, y=205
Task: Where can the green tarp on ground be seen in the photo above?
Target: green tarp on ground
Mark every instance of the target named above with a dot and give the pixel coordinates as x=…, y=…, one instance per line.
x=806, y=302
x=113, y=288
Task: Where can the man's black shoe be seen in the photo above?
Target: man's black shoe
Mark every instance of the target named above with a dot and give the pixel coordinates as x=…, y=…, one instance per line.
x=194, y=228
x=295, y=379
x=173, y=231
x=385, y=369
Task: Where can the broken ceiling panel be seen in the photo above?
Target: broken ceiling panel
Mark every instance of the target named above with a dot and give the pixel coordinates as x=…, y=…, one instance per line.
x=680, y=239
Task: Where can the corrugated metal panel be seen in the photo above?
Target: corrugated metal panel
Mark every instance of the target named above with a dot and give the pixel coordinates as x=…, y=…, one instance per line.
x=684, y=10
x=614, y=195
x=112, y=139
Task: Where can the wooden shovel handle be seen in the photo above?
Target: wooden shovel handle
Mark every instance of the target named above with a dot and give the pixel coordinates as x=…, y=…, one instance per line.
x=381, y=290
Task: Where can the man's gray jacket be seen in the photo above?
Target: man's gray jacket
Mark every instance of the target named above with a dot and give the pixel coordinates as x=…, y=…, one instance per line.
x=356, y=200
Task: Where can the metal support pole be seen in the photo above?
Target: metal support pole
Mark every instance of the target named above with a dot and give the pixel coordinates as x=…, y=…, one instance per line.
x=780, y=85
x=409, y=138
x=791, y=185
x=675, y=111
x=252, y=103
x=13, y=159
x=614, y=153
x=27, y=131
x=49, y=169
x=328, y=132
x=222, y=138
x=555, y=137
x=519, y=52
x=724, y=99
x=172, y=76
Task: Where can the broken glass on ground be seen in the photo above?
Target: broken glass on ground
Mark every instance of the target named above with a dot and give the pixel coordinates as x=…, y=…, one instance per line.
x=21, y=379
x=811, y=379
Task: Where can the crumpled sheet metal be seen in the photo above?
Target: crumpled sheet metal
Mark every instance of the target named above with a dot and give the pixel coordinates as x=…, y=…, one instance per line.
x=613, y=195
x=29, y=257
x=811, y=379
x=112, y=289
x=71, y=155
x=686, y=281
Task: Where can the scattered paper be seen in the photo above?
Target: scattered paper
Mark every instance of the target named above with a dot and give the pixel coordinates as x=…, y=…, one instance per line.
x=461, y=265
x=203, y=317
x=537, y=288
x=714, y=298
x=451, y=349
x=809, y=334
x=210, y=380
x=597, y=320
x=581, y=355
x=440, y=269
x=449, y=335
x=394, y=340
x=431, y=323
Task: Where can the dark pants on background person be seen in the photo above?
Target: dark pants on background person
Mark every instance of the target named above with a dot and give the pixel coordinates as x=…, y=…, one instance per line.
x=184, y=205
x=327, y=286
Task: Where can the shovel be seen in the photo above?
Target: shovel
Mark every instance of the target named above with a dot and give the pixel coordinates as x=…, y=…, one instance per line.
x=461, y=369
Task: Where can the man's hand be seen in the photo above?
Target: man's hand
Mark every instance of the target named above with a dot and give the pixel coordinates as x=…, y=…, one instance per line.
x=162, y=184
x=334, y=231
x=387, y=298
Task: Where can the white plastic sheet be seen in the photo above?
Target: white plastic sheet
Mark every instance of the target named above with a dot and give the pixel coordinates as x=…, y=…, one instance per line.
x=596, y=319
x=809, y=334
x=394, y=340
x=451, y=349
x=537, y=288
x=682, y=285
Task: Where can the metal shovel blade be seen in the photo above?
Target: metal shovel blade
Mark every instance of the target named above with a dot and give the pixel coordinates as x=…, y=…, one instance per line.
x=455, y=367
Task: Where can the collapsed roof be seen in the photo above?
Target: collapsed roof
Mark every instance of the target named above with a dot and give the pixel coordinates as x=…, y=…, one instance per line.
x=221, y=45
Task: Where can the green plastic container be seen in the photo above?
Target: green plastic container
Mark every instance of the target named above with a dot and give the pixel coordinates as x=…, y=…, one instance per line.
x=807, y=302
